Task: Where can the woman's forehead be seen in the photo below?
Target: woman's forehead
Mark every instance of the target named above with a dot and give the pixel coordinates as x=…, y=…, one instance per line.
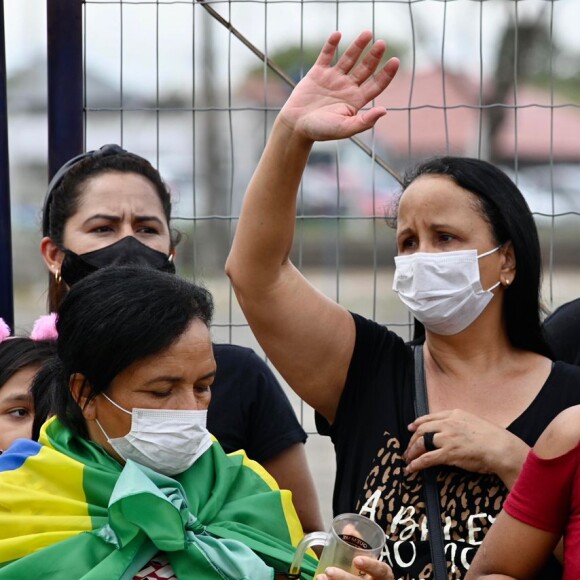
x=112, y=190
x=437, y=197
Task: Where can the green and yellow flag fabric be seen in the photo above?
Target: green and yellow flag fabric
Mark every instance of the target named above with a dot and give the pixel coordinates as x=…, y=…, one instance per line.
x=69, y=511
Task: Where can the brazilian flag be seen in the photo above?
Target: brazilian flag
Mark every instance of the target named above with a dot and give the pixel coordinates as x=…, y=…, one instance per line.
x=69, y=511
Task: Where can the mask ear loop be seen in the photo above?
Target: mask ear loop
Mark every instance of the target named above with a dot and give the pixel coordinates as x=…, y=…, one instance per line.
x=489, y=252
x=101, y=427
x=494, y=286
x=109, y=439
x=116, y=405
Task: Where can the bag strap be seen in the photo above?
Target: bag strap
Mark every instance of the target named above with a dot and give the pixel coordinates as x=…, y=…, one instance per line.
x=430, y=489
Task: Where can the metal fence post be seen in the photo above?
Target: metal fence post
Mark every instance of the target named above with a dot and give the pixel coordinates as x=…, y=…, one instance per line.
x=65, y=81
x=6, y=277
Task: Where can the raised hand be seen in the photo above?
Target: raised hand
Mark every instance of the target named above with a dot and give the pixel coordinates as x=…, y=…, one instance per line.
x=466, y=441
x=327, y=102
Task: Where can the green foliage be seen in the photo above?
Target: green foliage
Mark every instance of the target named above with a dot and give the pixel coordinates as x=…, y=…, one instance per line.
x=567, y=87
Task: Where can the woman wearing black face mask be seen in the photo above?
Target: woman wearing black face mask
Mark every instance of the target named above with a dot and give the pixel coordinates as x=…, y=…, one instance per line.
x=468, y=267
x=126, y=251
x=109, y=207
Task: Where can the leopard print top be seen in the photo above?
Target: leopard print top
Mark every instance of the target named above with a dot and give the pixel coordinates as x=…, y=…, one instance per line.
x=469, y=504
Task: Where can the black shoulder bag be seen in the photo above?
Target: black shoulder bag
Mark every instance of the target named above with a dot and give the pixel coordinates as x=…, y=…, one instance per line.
x=430, y=489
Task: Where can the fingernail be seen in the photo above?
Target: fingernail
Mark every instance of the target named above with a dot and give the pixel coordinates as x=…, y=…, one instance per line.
x=359, y=562
x=330, y=572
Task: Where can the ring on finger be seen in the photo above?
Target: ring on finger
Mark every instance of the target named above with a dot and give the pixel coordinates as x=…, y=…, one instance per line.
x=428, y=441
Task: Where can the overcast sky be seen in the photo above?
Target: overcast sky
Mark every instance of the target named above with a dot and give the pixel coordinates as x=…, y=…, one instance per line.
x=172, y=26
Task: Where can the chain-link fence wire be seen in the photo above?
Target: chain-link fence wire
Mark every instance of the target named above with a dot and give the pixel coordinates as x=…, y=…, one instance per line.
x=195, y=86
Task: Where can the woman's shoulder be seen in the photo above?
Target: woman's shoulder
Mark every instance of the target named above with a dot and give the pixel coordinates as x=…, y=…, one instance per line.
x=375, y=331
x=379, y=353
x=228, y=351
x=567, y=368
x=235, y=360
x=563, y=376
x=561, y=435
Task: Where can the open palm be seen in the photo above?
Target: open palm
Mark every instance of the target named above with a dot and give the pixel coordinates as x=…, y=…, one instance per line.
x=326, y=103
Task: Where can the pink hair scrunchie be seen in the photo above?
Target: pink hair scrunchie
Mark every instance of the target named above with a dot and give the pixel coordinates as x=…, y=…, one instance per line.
x=4, y=330
x=45, y=328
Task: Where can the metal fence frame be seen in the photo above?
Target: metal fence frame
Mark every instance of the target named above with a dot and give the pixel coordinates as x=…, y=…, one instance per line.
x=6, y=277
x=66, y=112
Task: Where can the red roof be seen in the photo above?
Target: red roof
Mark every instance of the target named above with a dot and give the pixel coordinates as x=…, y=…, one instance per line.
x=421, y=120
x=537, y=125
x=418, y=117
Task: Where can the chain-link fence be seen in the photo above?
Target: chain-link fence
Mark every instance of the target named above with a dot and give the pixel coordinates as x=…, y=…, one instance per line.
x=194, y=87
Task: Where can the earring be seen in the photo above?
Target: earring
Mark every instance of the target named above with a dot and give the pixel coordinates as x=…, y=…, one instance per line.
x=57, y=277
x=507, y=281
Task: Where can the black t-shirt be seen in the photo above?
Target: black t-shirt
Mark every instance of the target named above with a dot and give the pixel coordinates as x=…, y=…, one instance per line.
x=248, y=409
x=370, y=435
x=562, y=330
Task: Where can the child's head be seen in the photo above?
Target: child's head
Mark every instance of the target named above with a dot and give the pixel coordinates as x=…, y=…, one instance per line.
x=20, y=359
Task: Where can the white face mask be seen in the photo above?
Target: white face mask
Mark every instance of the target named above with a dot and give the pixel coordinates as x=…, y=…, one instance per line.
x=167, y=441
x=442, y=290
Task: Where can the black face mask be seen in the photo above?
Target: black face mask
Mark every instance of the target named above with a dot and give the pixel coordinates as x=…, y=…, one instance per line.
x=126, y=251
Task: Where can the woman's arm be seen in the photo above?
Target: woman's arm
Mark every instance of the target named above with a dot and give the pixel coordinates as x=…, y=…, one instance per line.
x=512, y=549
x=290, y=470
x=308, y=337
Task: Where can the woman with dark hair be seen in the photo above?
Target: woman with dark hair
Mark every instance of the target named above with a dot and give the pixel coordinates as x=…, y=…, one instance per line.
x=504, y=208
x=20, y=359
x=468, y=268
x=110, y=206
x=126, y=481
x=80, y=181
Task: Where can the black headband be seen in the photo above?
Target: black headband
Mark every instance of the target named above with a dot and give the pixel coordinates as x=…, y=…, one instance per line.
x=104, y=151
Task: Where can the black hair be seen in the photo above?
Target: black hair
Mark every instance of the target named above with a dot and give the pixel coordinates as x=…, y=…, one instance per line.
x=112, y=318
x=503, y=206
x=67, y=186
x=43, y=389
x=18, y=353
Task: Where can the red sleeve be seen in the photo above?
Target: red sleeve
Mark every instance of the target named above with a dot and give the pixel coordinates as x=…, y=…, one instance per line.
x=541, y=495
